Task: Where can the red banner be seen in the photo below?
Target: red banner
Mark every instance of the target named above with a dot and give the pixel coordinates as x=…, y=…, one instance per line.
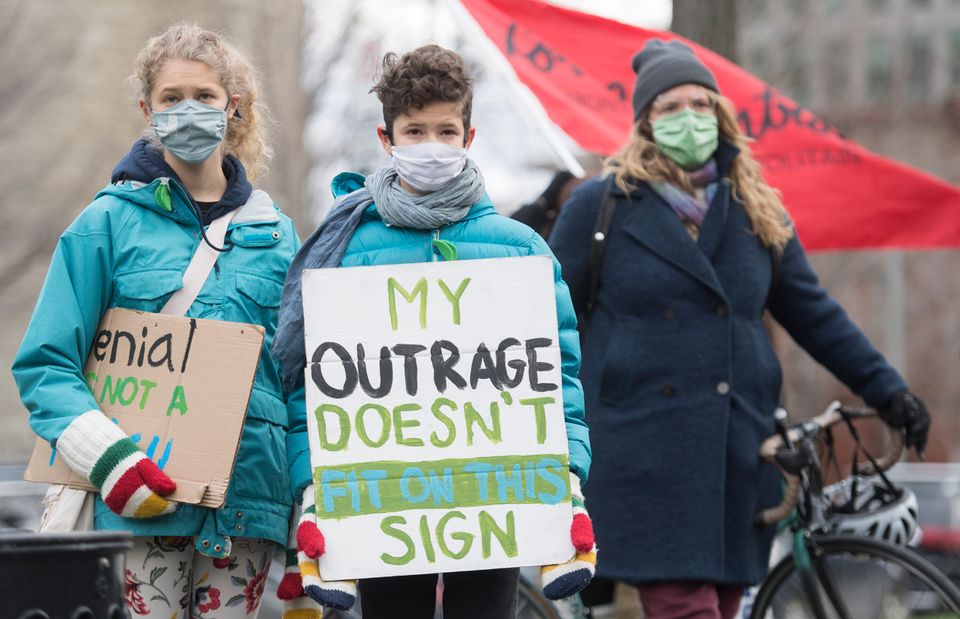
x=840, y=195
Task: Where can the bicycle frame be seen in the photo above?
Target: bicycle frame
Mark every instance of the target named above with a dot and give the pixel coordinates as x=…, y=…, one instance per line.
x=814, y=576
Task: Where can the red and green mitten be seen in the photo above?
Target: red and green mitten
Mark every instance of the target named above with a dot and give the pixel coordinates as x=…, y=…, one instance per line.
x=302, y=572
x=129, y=482
x=565, y=579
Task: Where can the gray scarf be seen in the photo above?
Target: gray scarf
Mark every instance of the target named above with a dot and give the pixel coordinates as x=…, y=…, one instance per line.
x=327, y=245
x=447, y=205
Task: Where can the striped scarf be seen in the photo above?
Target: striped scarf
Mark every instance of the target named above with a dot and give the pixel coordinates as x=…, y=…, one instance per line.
x=687, y=207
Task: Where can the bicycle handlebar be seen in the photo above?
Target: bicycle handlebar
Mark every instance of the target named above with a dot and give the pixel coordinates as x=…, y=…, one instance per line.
x=808, y=429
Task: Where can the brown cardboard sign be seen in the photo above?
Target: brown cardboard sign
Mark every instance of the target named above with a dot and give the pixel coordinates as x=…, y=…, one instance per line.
x=179, y=387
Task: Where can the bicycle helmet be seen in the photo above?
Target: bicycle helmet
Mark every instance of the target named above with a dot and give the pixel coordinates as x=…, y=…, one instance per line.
x=872, y=507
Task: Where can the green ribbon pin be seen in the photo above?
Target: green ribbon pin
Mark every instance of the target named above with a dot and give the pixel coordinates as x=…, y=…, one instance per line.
x=446, y=249
x=162, y=195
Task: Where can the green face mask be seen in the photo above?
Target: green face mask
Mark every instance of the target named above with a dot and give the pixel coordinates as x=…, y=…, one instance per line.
x=687, y=137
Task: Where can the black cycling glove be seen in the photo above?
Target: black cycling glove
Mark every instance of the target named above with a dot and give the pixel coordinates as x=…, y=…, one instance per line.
x=907, y=411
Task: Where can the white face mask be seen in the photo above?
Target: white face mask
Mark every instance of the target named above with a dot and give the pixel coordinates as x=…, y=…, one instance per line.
x=428, y=166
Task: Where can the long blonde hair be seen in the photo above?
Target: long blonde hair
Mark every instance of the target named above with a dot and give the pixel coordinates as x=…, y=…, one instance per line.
x=641, y=160
x=246, y=135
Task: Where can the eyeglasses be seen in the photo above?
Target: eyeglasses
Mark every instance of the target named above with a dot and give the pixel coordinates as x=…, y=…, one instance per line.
x=700, y=105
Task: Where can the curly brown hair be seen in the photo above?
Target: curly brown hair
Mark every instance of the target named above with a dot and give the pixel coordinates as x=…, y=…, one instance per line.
x=426, y=75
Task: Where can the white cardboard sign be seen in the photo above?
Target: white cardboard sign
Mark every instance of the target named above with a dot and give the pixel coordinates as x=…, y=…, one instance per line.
x=435, y=415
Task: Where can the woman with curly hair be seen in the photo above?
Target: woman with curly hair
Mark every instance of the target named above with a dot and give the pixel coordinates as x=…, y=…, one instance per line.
x=189, y=174
x=679, y=375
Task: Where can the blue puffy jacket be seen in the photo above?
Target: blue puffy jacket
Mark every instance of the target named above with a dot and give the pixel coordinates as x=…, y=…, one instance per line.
x=126, y=250
x=481, y=234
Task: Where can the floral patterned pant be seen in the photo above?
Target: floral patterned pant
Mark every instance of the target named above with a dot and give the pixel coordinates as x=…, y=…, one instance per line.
x=167, y=579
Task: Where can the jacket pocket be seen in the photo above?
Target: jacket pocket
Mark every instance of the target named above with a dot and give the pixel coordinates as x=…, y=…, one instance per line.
x=257, y=300
x=259, y=235
x=263, y=291
x=146, y=290
x=260, y=471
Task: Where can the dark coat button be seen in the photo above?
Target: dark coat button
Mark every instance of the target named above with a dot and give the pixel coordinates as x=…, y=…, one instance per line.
x=669, y=313
x=668, y=391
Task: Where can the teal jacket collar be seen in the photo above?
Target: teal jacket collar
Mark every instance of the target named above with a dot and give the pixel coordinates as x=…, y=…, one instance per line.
x=167, y=198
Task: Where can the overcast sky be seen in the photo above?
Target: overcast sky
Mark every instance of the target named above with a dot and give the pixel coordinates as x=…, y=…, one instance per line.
x=643, y=13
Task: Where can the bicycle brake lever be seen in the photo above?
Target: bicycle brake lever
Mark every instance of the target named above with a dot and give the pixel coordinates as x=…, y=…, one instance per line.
x=795, y=460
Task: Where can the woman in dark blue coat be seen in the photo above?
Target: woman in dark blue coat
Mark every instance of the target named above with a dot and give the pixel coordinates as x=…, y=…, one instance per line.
x=679, y=374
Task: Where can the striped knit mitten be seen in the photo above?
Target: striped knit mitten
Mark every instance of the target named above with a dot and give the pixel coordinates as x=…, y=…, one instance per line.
x=301, y=607
x=302, y=574
x=296, y=603
x=129, y=482
x=565, y=579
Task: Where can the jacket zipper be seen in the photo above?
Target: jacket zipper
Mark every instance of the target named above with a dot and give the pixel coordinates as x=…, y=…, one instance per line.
x=433, y=248
x=183, y=194
x=186, y=198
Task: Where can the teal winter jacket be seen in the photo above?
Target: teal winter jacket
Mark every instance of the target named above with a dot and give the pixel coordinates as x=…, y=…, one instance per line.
x=127, y=250
x=483, y=233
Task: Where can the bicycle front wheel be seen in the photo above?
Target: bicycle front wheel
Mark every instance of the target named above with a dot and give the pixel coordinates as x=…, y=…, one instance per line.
x=854, y=578
x=531, y=604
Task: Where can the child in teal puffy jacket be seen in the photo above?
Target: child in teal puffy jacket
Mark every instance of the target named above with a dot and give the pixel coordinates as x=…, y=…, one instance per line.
x=129, y=249
x=430, y=204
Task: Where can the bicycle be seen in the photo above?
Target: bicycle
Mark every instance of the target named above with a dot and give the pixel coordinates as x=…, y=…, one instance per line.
x=833, y=572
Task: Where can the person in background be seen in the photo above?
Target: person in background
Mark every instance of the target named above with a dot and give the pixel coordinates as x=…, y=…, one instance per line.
x=679, y=374
x=542, y=213
x=428, y=204
x=129, y=248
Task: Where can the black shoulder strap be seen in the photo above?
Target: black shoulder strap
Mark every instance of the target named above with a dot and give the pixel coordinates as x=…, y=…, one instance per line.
x=776, y=257
x=598, y=242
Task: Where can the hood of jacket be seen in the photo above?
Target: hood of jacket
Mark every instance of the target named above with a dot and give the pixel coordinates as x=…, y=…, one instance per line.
x=145, y=164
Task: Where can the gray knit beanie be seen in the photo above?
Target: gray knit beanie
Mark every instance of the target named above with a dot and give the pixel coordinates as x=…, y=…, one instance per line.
x=660, y=66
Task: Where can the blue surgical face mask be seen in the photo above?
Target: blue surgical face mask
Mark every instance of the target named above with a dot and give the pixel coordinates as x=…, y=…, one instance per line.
x=190, y=130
